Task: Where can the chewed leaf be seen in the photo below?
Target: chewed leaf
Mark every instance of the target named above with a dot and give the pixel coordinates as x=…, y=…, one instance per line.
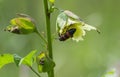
x=6, y=59
x=30, y=58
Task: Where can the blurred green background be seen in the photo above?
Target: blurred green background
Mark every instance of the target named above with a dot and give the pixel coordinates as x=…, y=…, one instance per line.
x=88, y=58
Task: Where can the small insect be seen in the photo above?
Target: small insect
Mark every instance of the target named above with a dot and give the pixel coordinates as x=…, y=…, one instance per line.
x=69, y=33
x=42, y=61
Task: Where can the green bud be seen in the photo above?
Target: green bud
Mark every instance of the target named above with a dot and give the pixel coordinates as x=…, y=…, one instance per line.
x=21, y=25
x=17, y=60
x=52, y=1
x=44, y=63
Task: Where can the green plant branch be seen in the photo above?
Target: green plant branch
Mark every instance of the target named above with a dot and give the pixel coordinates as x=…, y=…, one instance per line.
x=47, y=15
x=34, y=71
x=41, y=37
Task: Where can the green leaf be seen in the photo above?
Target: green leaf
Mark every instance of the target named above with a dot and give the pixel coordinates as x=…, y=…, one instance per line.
x=6, y=59
x=30, y=58
x=17, y=59
x=49, y=64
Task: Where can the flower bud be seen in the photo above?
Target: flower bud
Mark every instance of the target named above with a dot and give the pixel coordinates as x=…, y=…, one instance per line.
x=44, y=63
x=52, y=1
x=21, y=25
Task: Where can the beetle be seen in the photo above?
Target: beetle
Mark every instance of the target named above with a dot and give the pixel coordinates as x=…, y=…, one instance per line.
x=68, y=34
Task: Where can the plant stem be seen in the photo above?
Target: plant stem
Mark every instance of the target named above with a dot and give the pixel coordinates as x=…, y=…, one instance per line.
x=41, y=37
x=34, y=71
x=47, y=15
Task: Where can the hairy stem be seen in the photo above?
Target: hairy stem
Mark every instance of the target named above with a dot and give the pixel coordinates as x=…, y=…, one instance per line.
x=47, y=15
x=34, y=71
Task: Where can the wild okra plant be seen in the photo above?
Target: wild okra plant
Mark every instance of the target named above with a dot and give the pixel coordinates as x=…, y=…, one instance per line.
x=68, y=26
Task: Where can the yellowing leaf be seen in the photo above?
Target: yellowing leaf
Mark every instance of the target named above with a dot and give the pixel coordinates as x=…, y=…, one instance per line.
x=6, y=59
